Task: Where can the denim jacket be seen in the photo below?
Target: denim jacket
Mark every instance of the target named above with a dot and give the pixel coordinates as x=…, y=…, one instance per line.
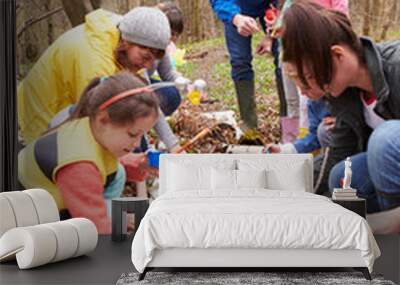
x=351, y=133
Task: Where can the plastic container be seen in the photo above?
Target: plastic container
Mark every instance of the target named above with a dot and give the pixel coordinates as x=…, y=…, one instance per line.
x=198, y=89
x=194, y=97
x=153, y=157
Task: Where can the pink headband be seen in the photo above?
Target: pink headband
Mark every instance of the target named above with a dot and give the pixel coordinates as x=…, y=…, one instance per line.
x=123, y=95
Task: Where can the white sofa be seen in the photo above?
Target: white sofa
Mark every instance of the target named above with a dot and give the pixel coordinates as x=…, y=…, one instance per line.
x=247, y=210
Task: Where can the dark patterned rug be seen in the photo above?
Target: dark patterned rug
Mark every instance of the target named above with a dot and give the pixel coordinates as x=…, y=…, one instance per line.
x=231, y=278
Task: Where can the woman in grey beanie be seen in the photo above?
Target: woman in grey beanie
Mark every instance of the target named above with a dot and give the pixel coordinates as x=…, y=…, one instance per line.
x=144, y=36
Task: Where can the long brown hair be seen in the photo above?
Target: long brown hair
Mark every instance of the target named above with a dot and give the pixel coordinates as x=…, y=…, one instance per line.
x=309, y=32
x=121, y=112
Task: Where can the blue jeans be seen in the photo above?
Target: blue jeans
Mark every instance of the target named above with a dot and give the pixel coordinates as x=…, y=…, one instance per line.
x=240, y=52
x=169, y=98
x=376, y=172
x=239, y=48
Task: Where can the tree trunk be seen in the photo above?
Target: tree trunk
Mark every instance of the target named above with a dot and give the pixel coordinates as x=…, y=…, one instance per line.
x=366, y=24
x=375, y=15
x=185, y=36
x=123, y=6
x=76, y=10
x=390, y=18
x=195, y=15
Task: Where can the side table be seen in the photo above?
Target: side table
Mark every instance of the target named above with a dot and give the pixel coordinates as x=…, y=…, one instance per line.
x=120, y=207
x=356, y=205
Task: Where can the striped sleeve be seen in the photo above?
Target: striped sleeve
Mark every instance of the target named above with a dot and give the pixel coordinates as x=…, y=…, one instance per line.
x=81, y=187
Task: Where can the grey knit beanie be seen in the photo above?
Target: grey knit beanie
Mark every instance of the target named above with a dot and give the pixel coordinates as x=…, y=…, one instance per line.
x=146, y=26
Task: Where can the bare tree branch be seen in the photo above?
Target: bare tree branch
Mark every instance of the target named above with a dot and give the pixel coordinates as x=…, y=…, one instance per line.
x=32, y=21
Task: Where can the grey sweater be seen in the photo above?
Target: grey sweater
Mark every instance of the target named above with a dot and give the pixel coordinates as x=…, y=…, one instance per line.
x=164, y=69
x=167, y=73
x=164, y=132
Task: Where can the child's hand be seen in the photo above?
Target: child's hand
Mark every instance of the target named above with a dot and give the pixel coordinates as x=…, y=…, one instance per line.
x=265, y=46
x=246, y=26
x=273, y=148
x=329, y=122
x=136, y=167
x=182, y=83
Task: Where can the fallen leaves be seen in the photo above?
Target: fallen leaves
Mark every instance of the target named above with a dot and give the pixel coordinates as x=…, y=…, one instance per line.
x=189, y=121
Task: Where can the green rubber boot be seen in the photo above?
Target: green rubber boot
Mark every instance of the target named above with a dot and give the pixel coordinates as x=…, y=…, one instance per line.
x=247, y=104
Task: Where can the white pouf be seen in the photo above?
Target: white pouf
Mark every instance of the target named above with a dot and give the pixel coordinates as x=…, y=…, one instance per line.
x=7, y=220
x=40, y=244
x=67, y=240
x=46, y=207
x=23, y=208
x=33, y=246
x=31, y=231
x=87, y=235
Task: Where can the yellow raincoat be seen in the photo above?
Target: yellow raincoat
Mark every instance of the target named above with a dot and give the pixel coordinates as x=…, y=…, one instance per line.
x=63, y=71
